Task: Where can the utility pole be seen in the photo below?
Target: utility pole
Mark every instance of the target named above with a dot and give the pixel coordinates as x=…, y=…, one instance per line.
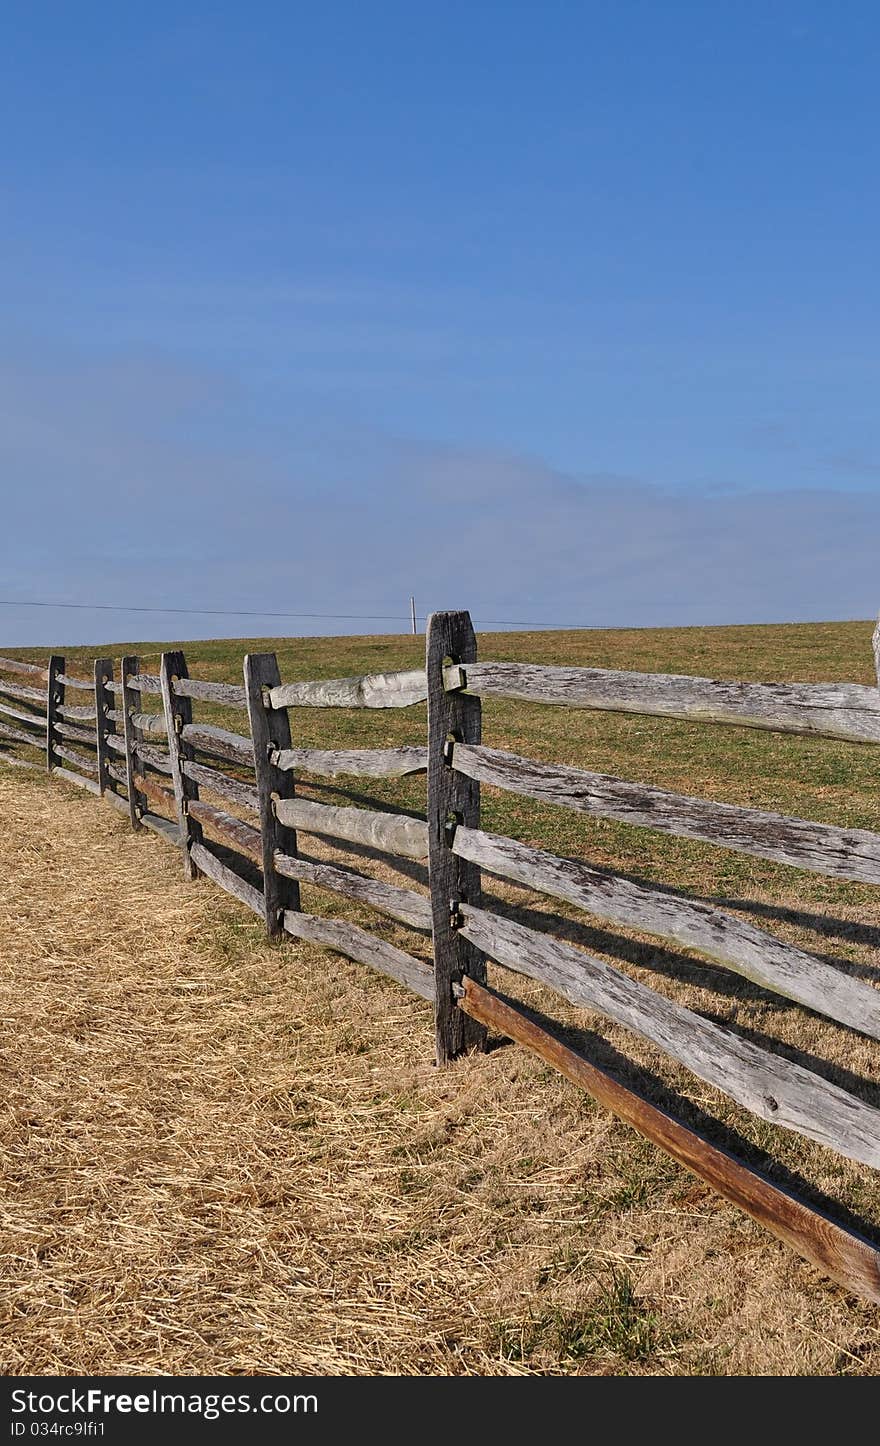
x=412, y=608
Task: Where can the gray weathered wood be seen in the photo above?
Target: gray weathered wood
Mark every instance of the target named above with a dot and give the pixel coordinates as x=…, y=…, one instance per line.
x=36, y=719
x=178, y=716
x=359, y=762
x=75, y=735
x=157, y=758
x=81, y=760
x=147, y=683
x=392, y=833
x=86, y=685
x=231, y=788
x=150, y=725
x=357, y=944
x=75, y=714
x=18, y=735
x=233, y=831
x=452, y=799
x=270, y=733
x=115, y=743
x=15, y=665
x=103, y=726
x=130, y=698
x=117, y=773
x=373, y=690
x=164, y=827
x=14, y=762
x=403, y=904
x=228, y=693
x=21, y=690
x=208, y=864
x=54, y=701
x=220, y=742
x=67, y=776
x=733, y=942
x=831, y=710
x=771, y=1087
x=841, y=853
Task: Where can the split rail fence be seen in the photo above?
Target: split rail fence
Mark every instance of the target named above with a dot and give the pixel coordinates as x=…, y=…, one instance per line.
x=133, y=739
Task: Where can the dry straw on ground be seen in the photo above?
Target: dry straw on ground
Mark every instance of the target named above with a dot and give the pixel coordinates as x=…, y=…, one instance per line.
x=221, y=1156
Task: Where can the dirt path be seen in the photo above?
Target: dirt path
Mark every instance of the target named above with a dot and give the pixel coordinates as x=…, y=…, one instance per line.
x=224, y=1157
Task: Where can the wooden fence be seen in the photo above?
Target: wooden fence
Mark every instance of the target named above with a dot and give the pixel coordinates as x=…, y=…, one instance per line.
x=135, y=741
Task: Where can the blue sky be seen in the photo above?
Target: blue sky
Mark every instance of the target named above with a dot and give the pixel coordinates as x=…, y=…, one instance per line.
x=567, y=313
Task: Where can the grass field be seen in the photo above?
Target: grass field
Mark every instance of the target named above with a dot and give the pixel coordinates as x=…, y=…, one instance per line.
x=231, y=1157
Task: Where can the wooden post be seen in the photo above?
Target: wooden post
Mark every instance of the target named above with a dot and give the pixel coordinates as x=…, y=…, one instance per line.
x=270, y=729
x=104, y=702
x=131, y=705
x=412, y=611
x=452, y=799
x=178, y=712
x=54, y=701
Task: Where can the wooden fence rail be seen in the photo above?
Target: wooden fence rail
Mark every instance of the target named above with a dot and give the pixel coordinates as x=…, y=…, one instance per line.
x=115, y=747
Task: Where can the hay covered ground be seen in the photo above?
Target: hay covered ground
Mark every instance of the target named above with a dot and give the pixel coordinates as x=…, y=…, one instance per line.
x=221, y=1156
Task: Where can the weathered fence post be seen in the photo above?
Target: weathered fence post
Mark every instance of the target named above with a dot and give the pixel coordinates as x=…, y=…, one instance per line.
x=178, y=712
x=104, y=702
x=452, y=799
x=54, y=701
x=131, y=706
x=270, y=729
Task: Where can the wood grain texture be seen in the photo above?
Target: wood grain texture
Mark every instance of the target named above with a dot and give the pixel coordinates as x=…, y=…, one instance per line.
x=232, y=788
x=23, y=691
x=219, y=742
x=373, y=690
x=357, y=944
x=75, y=734
x=234, y=831
x=15, y=665
x=230, y=694
x=117, y=773
x=403, y=904
x=157, y=758
x=846, y=1257
x=178, y=716
x=392, y=833
x=85, y=685
x=151, y=725
x=37, y=719
x=157, y=794
x=55, y=709
x=727, y=940
x=14, y=762
x=270, y=734
x=116, y=744
x=208, y=864
x=773, y=1088
x=74, y=713
x=132, y=736
x=841, y=853
x=18, y=735
x=831, y=710
x=359, y=762
x=452, y=799
x=79, y=760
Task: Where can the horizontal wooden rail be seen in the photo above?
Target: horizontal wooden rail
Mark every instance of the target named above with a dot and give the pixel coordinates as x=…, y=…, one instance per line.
x=365, y=948
x=87, y=685
x=164, y=827
x=359, y=762
x=21, y=690
x=231, y=694
x=116, y=743
x=849, y=711
x=153, y=724
x=14, y=762
x=772, y=1087
x=81, y=760
x=231, y=788
x=208, y=863
x=372, y=690
x=733, y=942
x=117, y=772
x=403, y=904
x=391, y=833
x=75, y=714
x=841, y=853
x=145, y=682
x=68, y=776
x=843, y=1255
x=217, y=741
x=155, y=758
x=15, y=665
x=240, y=835
x=18, y=735
x=37, y=720
x=76, y=735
